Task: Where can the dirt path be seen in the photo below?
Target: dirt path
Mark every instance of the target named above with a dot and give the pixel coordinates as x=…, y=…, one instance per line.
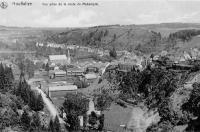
x=50, y=106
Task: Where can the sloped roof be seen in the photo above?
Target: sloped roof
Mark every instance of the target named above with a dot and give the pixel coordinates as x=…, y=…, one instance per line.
x=59, y=72
x=63, y=88
x=57, y=57
x=90, y=76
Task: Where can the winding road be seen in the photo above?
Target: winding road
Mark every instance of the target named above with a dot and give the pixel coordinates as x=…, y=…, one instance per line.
x=50, y=106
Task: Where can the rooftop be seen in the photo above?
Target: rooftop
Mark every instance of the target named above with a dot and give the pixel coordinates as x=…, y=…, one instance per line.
x=63, y=88
x=57, y=57
x=59, y=72
x=90, y=76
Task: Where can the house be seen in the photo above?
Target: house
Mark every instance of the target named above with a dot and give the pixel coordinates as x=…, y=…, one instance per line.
x=90, y=77
x=60, y=73
x=91, y=69
x=38, y=44
x=126, y=67
x=59, y=59
x=72, y=47
x=53, y=45
x=61, y=91
x=106, y=52
x=163, y=53
x=182, y=66
x=186, y=56
x=156, y=57
x=75, y=72
x=57, y=73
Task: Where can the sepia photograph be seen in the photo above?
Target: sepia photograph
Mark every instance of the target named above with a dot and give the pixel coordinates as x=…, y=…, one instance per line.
x=99, y=65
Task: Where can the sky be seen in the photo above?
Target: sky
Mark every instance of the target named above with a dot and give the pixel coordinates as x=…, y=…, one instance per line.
x=107, y=12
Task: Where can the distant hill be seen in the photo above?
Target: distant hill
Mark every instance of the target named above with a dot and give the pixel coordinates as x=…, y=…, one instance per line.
x=122, y=37
x=147, y=38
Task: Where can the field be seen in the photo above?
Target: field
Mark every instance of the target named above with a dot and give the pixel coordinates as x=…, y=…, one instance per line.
x=116, y=116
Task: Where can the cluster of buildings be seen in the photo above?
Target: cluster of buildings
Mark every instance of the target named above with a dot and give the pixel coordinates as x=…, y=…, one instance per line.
x=100, y=52
x=61, y=68
x=179, y=62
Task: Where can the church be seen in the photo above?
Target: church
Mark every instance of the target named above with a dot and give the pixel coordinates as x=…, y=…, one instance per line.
x=59, y=59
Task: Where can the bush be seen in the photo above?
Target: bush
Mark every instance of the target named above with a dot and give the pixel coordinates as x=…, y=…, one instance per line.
x=81, y=84
x=74, y=106
x=8, y=111
x=73, y=121
x=113, y=53
x=36, y=102
x=36, y=123
x=92, y=118
x=54, y=125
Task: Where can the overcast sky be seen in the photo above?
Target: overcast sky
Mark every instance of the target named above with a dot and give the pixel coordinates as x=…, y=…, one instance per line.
x=107, y=12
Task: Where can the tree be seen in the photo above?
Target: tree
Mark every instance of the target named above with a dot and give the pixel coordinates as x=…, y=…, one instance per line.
x=114, y=37
x=25, y=119
x=47, y=67
x=51, y=126
x=138, y=47
x=101, y=122
x=30, y=67
x=75, y=103
x=57, y=124
x=80, y=83
x=2, y=77
x=43, y=66
x=23, y=89
x=74, y=106
x=103, y=100
x=36, y=102
x=54, y=125
x=106, y=33
x=40, y=102
x=9, y=75
x=8, y=114
x=21, y=66
x=72, y=122
x=113, y=53
x=36, y=123
x=193, y=107
x=130, y=83
x=155, y=87
x=6, y=78
x=92, y=119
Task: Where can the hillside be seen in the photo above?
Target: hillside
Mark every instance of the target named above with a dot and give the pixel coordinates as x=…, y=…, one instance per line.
x=123, y=37
x=144, y=38
x=147, y=39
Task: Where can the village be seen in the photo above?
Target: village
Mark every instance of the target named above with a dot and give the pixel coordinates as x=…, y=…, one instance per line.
x=59, y=75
